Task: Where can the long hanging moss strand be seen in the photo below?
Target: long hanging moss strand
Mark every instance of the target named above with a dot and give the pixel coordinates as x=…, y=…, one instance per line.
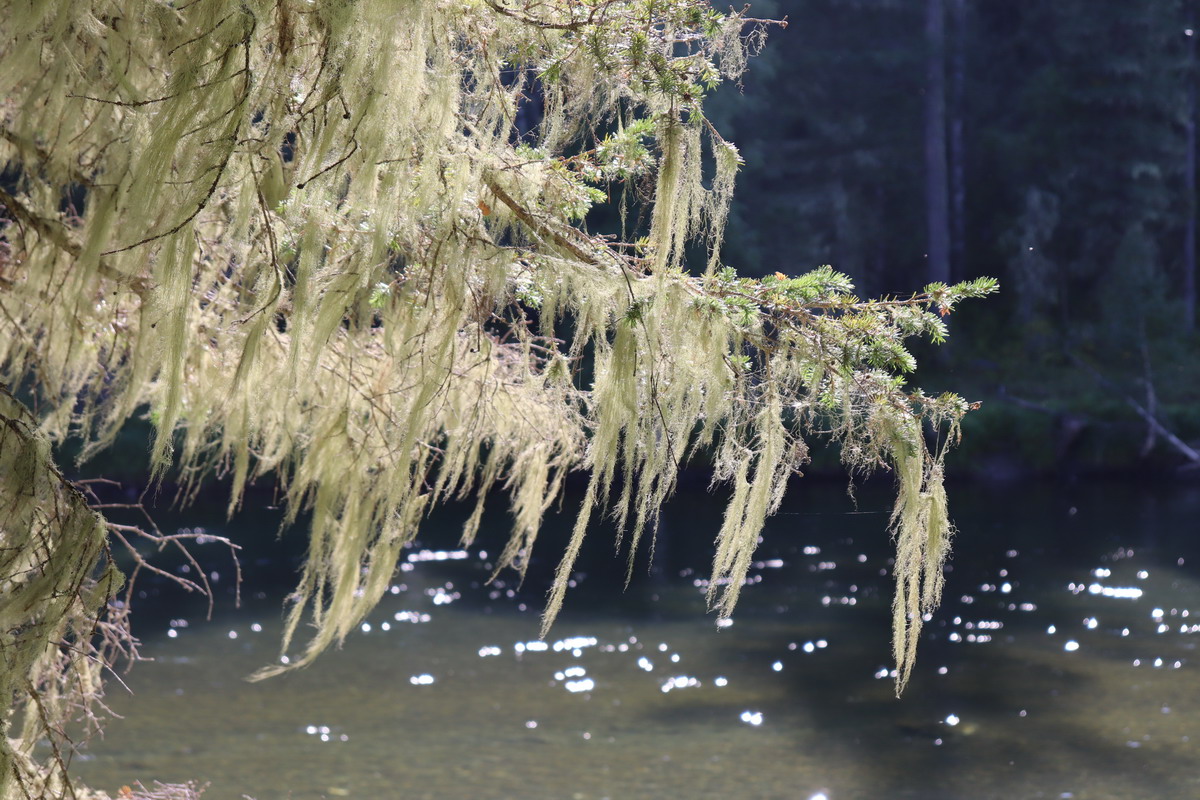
x=318, y=245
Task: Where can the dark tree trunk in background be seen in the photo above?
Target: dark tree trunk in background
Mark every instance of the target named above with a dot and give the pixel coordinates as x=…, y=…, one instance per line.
x=958, y=183
x=1189, y=243
x=937, y=205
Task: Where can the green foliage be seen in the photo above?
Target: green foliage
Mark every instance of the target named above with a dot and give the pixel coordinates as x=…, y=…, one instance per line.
x=624, y=154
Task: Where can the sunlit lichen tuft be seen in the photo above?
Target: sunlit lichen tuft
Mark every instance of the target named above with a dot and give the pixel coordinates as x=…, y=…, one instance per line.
x=311, y=241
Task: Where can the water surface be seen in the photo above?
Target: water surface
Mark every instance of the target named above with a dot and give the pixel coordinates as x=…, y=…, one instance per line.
x=1060, y=665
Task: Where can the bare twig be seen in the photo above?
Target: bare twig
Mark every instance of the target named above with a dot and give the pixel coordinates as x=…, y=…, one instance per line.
x=1180, y=445
x=57, y=235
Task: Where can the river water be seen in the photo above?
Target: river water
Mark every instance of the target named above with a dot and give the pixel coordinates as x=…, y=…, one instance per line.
x=1061, y=664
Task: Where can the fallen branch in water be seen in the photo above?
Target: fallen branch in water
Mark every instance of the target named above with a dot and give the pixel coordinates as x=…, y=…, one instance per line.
x=1183, y=447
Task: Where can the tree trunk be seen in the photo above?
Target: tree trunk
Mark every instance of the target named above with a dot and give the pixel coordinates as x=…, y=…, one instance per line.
x=1188, y=289
x=937, y=205
x=958, y=184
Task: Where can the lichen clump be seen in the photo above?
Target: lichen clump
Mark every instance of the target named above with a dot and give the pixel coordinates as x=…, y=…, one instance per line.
x=319, y=240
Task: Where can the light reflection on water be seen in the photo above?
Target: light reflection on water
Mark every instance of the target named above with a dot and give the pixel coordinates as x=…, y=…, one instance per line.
x=1060, y=665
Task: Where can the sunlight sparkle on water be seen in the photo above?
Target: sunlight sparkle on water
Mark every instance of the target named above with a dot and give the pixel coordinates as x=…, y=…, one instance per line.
x=1119, y=592
x=680, y=682
x=570, y=672
x=441, y=597
x=574, y=643
x=437, y=555
x=325, y=734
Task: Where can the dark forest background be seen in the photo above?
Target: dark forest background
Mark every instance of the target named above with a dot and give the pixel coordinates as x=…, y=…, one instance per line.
x=1049, y=144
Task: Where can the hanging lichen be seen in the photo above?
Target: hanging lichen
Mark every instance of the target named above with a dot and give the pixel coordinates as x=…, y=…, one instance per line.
x=61, y=622
x=922, y=530
x=310, y=238
x=51, y=595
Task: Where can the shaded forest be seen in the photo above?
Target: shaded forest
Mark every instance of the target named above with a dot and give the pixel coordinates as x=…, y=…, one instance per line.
x=1051, y=145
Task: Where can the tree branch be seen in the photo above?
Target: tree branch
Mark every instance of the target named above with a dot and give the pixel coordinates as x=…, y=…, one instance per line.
x=1150, y=418
x=56, y=234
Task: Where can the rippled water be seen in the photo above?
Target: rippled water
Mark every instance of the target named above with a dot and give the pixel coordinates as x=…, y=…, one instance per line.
x=1062, y=664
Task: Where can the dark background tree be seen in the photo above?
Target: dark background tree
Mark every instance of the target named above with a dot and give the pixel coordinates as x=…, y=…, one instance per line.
x=1050, y=144
x=937, y=199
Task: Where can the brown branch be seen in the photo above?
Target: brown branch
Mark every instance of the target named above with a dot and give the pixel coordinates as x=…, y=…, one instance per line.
x=538, y=227
x=537, y=23
x=45, y=228
x=44, y=156
x=57, y=235
x=1152, y=420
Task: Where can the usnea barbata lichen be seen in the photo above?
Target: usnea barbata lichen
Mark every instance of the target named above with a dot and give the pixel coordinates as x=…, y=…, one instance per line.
x=313, y=240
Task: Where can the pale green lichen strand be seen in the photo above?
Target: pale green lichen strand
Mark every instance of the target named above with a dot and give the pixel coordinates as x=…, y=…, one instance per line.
x=310, y=247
